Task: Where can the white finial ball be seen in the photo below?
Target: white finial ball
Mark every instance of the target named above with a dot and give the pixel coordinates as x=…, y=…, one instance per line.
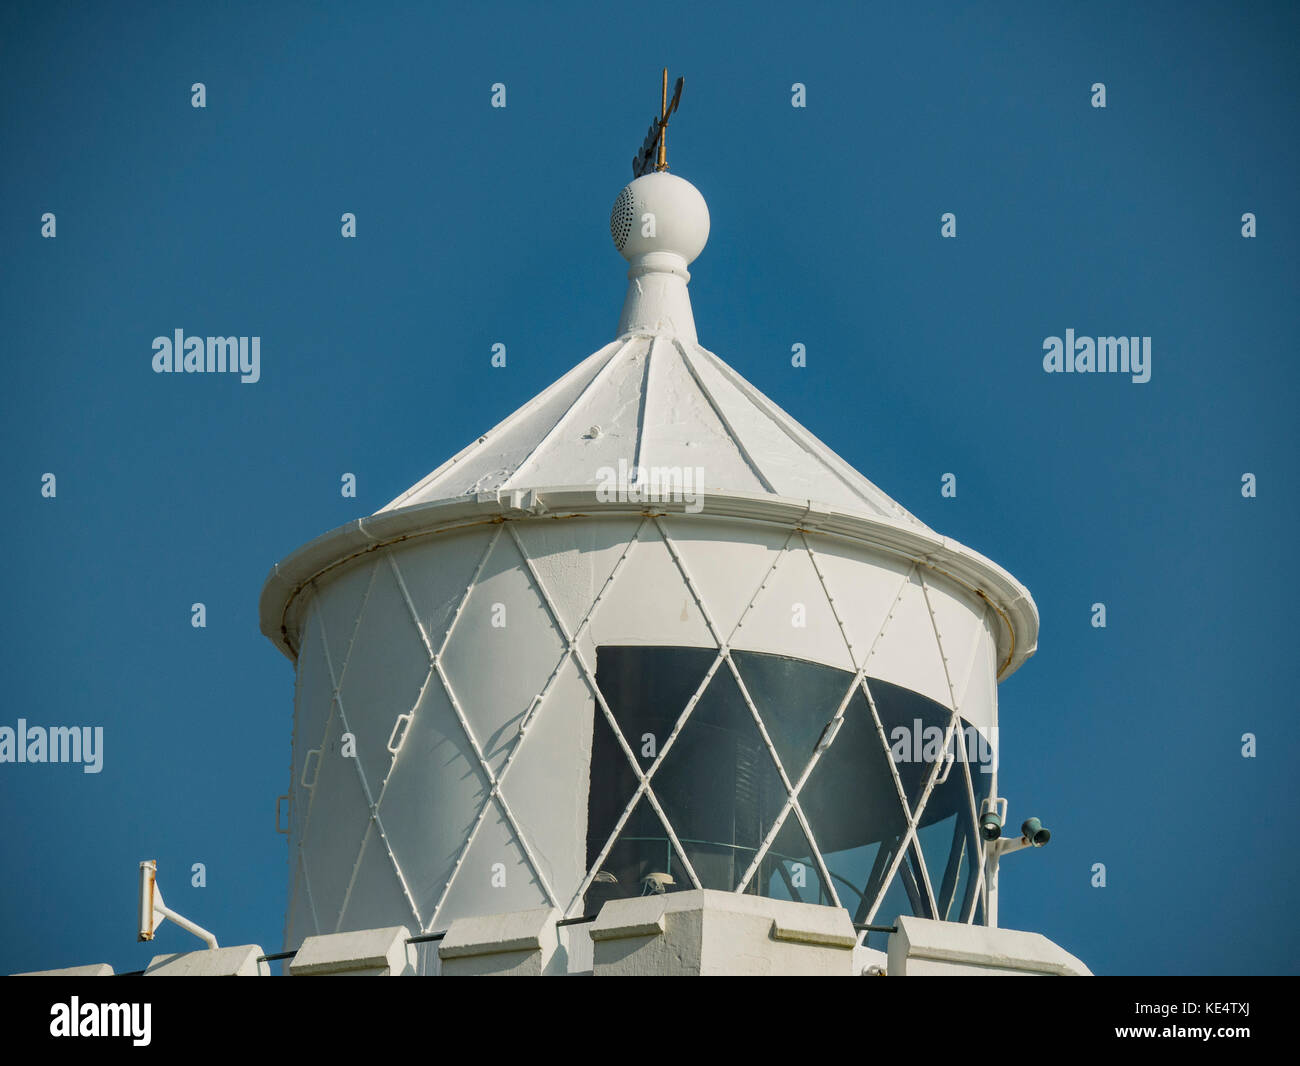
x=660, y=212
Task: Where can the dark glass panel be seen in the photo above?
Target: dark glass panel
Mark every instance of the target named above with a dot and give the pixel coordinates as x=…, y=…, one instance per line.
x=795, y=700
x=905, y=895
x=719, y=786
x=721, y=792
x=850, y=798
x=642, y=861
x=789, y=870
x=646, y=690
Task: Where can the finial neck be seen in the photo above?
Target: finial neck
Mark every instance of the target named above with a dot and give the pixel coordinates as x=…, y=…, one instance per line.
x=657, y=299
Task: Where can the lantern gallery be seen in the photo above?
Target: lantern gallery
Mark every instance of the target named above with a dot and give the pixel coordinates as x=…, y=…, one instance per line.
x=1105, y=355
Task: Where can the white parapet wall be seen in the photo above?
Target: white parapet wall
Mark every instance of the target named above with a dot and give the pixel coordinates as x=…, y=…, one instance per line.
x=522, y=944
x=703, y=933
x=241, y=961
x=364, y=953
x=97, y=969
x=925, y=948
x=694, y=933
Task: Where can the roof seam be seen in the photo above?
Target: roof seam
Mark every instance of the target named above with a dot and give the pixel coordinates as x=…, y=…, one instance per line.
x=643, y=412
x=726, y=424
x=564, y=418
x=787, y=424
x=511, y=419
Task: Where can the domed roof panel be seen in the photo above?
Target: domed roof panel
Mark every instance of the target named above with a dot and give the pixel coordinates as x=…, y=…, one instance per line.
x=644, y=411
x=682, y=429
x=484, y=465
x=793, y=462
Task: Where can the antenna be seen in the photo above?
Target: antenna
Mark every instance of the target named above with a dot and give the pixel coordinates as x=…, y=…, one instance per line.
x=655, y=146
x=662, y=164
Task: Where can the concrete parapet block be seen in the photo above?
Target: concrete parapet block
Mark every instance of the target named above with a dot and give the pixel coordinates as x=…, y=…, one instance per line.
x=706, y=932
x=923, y=947
x=364, y=953
x=239, y=961
x=517, y=944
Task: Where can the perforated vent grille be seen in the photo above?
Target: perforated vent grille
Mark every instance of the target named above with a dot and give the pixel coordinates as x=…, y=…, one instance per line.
x=620, y=219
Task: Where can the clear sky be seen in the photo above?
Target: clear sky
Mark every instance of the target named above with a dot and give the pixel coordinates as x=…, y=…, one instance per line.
x=478, y=225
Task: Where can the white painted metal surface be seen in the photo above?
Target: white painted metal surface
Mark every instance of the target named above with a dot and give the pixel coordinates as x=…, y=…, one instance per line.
x=446, y=647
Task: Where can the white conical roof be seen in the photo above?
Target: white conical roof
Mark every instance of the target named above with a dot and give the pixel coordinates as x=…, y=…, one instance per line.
x=654, y=399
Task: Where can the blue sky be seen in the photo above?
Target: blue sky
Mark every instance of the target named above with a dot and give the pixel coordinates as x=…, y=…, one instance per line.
x=478, y=225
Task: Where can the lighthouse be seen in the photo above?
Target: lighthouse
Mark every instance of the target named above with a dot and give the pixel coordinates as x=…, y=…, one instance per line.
x=647, y=648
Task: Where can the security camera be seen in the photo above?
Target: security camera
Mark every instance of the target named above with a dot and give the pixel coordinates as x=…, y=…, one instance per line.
x=1034, y=832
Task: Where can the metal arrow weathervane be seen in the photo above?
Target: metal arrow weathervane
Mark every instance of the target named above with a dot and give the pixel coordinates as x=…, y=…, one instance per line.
x=657, y=135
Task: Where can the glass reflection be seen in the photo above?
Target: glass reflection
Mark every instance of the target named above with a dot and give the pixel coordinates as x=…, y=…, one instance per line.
x=721, y=791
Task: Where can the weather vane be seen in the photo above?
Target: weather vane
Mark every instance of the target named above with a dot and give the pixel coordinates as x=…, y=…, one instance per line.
x=657, y=134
